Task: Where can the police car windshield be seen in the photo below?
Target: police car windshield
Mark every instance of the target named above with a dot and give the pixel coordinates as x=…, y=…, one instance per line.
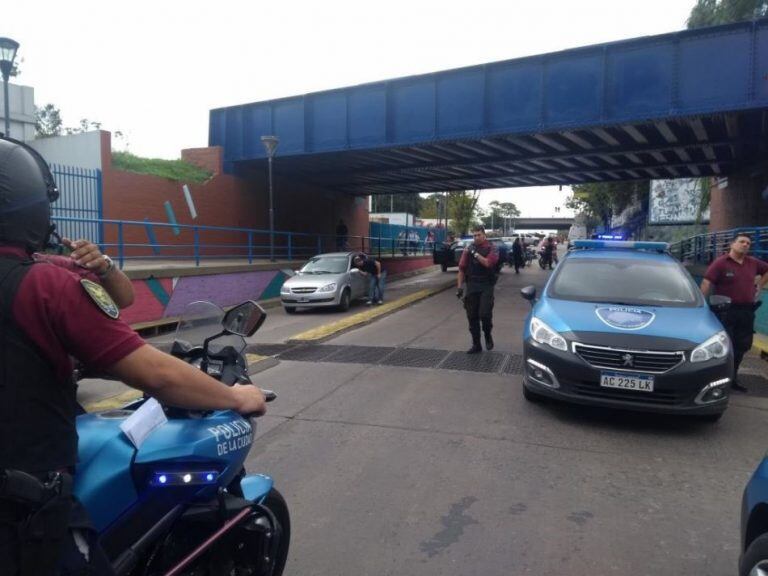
x=624, y=281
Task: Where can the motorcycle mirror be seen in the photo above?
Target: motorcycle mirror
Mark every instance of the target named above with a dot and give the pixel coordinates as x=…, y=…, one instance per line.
x=244, y=319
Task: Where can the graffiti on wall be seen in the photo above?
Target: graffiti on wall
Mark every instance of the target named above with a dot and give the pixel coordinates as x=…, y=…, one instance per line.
x=676, y=201
x=157, y=298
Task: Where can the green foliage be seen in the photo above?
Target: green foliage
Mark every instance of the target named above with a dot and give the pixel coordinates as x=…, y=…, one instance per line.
x=171, y=169
x=47, y=121
x=461, y=209
x=713, y=12
x=497, y=213
x=601, y=200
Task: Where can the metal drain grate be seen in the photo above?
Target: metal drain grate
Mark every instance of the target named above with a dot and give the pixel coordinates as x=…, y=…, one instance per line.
x=415, y=357
x=484, y=362
x=270, y=349
x=311, y=353
x=362, y=354
x=514, y=364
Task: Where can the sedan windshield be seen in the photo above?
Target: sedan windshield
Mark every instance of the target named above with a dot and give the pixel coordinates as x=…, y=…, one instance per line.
x=630, y=281
x=326, y=265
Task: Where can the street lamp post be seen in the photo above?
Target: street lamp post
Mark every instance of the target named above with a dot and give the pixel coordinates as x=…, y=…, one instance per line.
x=270, y=145
x=8, y=50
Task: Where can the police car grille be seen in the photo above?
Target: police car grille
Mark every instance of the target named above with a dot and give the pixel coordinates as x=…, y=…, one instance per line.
x=642, y=361
x=303, y=290
x=594, y=390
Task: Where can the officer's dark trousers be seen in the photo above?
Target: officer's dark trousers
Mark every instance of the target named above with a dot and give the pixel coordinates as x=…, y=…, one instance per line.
x=52, y=554
x=479, y=306
x=740, y=324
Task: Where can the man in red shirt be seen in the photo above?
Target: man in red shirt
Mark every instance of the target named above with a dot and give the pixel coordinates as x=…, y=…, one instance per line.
x=49, y=314
x=477, y=267
x=733, y=275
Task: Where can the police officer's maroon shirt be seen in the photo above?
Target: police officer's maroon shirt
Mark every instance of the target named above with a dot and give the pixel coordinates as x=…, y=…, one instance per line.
x=53, y=309
x=493, y=256
x=737, y=281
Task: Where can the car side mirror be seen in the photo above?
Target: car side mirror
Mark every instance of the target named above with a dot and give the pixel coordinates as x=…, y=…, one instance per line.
x=244, y=319
x=529, y=293
x=719, y=303
x=289, y=273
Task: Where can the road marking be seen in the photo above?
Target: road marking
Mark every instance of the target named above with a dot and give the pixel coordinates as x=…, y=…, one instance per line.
x=327, y=330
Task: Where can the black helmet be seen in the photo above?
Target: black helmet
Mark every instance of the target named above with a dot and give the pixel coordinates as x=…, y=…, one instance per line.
x=27, y=189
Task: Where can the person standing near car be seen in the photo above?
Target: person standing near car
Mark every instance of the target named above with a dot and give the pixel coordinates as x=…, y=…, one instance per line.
x=475, y=283
x=372, y=268
x=733, y=275
x=518, y=257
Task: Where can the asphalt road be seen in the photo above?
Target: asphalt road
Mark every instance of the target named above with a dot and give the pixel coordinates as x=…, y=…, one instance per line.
x=421, y=471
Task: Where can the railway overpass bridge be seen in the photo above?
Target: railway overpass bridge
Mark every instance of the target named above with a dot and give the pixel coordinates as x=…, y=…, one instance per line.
x=543, y=223
x=686, y=104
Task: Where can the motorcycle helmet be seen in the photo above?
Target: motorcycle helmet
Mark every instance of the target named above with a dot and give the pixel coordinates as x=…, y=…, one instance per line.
x=27, y=189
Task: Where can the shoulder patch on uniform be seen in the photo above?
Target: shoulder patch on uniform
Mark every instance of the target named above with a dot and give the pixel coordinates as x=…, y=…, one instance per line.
x=101, y=297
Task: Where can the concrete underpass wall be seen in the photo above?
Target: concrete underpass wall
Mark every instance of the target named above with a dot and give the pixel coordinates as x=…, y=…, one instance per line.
x=740, y=203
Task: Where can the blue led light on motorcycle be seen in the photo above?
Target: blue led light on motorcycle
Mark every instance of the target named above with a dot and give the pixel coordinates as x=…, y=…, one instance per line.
x=184, y=478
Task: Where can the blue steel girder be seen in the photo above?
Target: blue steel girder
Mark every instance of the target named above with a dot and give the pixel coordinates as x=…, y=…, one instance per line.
x=690, y=103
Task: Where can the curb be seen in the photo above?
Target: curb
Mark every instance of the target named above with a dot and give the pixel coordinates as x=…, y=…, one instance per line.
x=327, y=331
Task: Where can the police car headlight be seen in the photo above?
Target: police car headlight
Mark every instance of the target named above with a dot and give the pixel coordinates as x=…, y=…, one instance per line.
x=284, y=289
x=328, y=287
x=543, y=334
x=715, y=347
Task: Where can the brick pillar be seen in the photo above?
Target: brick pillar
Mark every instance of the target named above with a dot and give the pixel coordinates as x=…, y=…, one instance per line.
x=740, y=202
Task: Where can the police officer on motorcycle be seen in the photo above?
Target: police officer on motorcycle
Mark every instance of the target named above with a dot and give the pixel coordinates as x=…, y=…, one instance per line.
x=49, y=314
x=478, y=268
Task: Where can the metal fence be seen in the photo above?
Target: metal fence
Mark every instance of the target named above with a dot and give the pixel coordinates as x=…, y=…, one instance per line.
x=704, y=248
x=79, y=210
x=127, y=240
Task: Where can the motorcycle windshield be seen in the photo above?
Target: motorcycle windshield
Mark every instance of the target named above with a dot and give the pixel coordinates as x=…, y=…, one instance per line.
x=202, y=320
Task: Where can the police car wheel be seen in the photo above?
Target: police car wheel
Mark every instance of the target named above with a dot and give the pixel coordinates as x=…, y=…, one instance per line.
x=755, y=559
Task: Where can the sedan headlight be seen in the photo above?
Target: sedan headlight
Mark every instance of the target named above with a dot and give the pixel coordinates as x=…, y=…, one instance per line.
x=715, y=347
x=285, y=289
x=543, y=334
x=328, y=287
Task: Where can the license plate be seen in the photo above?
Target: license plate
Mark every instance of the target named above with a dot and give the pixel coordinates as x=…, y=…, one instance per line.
x=625, y=381
x=303, y=300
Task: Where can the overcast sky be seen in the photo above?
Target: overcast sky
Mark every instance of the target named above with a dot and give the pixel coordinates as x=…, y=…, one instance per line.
x=154, y=69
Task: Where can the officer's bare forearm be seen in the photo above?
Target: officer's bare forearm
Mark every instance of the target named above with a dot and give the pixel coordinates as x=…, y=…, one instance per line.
x=706, y=287
x=762, y=282
x=460, y=279
x=173, y=382
x=119, y=287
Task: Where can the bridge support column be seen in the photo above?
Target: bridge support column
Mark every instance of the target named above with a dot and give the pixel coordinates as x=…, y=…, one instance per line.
x=741, y=201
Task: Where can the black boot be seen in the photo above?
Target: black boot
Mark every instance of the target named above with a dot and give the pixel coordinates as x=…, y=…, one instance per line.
x=488, y=341
x=475, y=345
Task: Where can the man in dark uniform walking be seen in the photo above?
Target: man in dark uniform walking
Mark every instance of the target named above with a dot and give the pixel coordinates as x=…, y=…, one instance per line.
x=477, y=268
x=733, y=275
x=49, y=314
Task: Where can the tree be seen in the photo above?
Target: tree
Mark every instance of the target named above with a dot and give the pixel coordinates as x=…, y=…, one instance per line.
x=601, y=200
x=47, y=121
x=713, y=12
x=461, y=207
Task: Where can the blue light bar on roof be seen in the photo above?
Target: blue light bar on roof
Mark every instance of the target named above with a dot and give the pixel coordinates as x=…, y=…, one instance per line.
x=595, y=244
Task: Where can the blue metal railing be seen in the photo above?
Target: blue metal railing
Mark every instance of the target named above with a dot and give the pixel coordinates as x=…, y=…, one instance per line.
x=704, y=248
x=127, y=240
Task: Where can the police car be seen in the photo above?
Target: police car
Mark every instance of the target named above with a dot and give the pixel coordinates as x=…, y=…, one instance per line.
x=623, y=325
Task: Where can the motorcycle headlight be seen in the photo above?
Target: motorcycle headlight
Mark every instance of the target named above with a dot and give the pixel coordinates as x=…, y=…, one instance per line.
x=543, y=334
x=715, y=347
x=328, y=287
x=284, y=289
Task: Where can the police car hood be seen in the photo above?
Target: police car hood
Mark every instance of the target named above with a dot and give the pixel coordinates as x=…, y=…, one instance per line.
x=605, y=320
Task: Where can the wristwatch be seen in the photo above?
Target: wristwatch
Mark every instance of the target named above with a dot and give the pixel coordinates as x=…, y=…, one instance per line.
x=109, y=268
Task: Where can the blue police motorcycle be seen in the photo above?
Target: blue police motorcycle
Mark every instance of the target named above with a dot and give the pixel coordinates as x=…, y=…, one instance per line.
x=180, y=502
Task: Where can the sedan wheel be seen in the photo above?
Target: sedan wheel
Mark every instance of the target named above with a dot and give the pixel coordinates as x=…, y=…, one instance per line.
x=345, y=300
